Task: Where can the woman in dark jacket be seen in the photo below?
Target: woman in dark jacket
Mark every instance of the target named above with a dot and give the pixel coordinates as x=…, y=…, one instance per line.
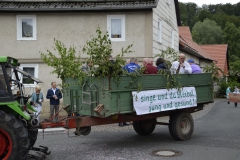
x=161, y=65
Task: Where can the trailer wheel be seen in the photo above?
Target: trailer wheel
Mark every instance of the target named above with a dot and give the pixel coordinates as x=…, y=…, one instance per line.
x=144, y=127
x=14, y=142
x=85, y=130
x=32, y=135
x=82, y=131
x=181, y=126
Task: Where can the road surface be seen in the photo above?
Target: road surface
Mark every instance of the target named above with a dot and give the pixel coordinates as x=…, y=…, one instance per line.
x=216, y=137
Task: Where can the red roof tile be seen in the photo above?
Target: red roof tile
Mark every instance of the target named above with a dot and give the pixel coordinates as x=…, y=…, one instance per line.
x=185, y=42
x=218, y=52
x=185, y=32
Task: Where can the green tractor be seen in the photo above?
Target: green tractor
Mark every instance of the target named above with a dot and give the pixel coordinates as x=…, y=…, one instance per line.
x=18, y=123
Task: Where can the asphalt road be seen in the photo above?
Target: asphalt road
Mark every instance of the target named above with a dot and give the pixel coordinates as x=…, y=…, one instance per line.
x=216, y=137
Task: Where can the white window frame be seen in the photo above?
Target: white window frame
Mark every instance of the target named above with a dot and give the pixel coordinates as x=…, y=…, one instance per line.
x=160, y=22
x=172, y=38
x=35, y=66
x=19, y=27
x=109, y=18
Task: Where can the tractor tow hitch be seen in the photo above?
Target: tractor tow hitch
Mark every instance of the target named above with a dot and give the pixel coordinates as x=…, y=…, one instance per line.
x=40, y=153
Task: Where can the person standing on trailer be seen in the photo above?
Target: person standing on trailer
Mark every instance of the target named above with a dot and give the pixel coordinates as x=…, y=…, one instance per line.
x=132, y=66
x=181, y=66
x=149, y=67
x=195, y=68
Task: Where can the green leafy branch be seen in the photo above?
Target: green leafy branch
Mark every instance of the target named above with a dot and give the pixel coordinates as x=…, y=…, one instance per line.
x=217, y=73
x=65, y=62
x=167, y=55
x=99, y=49
x=135, y=78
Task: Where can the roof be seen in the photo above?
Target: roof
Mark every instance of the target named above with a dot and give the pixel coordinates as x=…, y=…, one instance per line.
x=194, y=48
x=185, y=32
x=186, y=41
x=81, y=5
x=220, y=53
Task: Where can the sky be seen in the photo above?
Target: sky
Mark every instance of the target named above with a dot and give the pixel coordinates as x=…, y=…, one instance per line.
x=201, y=2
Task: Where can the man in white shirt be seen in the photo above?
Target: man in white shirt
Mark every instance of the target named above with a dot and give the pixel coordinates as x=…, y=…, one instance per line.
x=181, y=66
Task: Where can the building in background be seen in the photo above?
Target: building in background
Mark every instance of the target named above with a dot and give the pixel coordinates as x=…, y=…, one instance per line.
x=203, y=54
x=191, y=49
x=30, y=27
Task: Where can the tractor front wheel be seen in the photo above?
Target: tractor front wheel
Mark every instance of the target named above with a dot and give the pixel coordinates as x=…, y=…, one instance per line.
x=14, y=142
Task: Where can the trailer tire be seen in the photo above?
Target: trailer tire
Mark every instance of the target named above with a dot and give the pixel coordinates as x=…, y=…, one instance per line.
x=144, y=127
x=170, y=125
x=32, y=135
x=14, y=138
x=85, y=130
x=181, y=126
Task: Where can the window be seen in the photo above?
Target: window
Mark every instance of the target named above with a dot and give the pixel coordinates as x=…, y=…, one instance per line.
x=116, y=27
x=159, y=30
x=26, y=27
x=31, y=69
x=172, y=36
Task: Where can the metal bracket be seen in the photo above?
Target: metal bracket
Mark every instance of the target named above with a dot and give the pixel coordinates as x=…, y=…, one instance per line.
x=42, y=151
x=89, y=90
x=100, y=110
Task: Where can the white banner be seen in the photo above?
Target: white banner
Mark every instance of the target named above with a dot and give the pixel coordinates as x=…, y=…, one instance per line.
x=152, y=101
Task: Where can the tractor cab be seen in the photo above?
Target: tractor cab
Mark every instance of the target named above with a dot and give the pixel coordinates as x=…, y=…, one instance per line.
x=5, y=85
x=9, y=79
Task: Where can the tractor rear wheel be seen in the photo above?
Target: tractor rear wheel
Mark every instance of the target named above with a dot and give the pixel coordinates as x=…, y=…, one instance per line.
x=144, y=127
x=14, y=142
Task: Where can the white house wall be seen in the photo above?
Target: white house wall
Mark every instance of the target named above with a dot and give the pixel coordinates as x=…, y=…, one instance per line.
x=71, y=29
x=167, y=14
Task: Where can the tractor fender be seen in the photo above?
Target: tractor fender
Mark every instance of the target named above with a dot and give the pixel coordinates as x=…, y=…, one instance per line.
x=30, y=107
x=16, y=107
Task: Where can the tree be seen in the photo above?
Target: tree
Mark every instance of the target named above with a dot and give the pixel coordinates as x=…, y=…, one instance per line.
x=65, y=61
x=203, y=14
x=183, y=14
x=234, y=71
x=99, y=49
x=190, y=13
x=228, y=8
x=192, y=10
x=232, y=38
x=207, y=32
x=237, y=9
